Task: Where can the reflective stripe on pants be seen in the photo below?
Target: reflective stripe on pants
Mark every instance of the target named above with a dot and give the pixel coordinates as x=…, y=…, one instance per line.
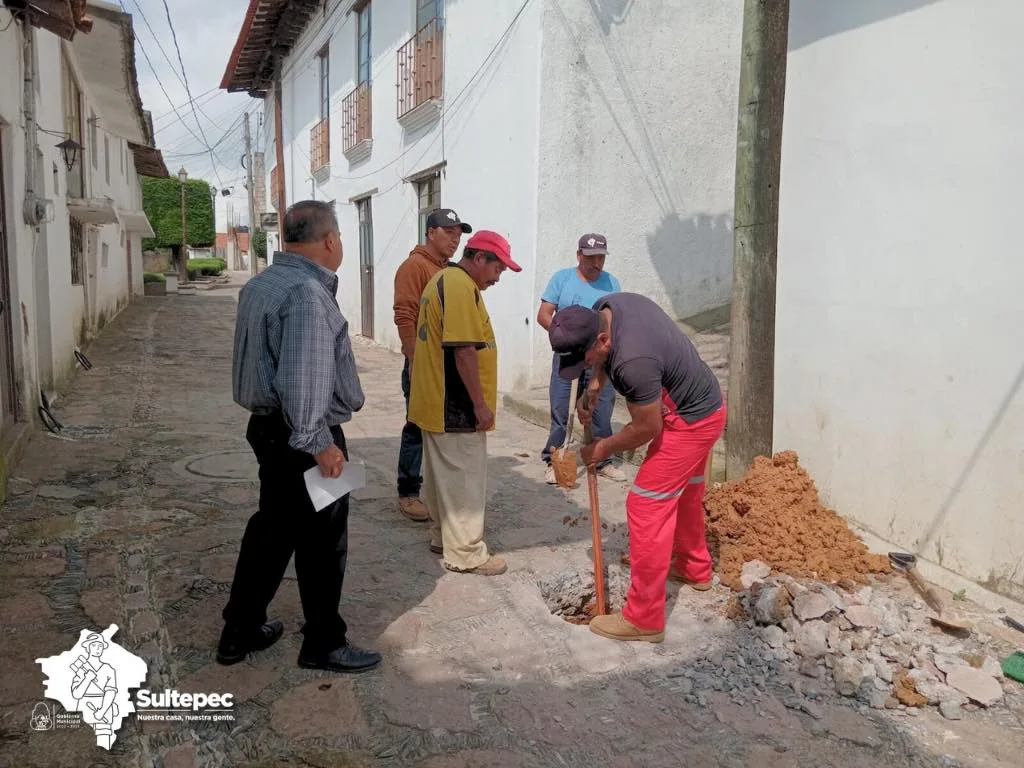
x=665, y=512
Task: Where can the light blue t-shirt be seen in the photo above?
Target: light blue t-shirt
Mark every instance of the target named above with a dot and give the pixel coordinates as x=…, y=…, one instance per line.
x=566, y=288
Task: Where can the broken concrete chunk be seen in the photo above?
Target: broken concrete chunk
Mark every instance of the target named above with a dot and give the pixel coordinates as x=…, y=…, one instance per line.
x=810, y=605
x=812, y=639
x=772, y=605
x=862, y=617
x=946, y=662
x=848, y=674
x=774, y=636
x=753, y=571
x=975, y=684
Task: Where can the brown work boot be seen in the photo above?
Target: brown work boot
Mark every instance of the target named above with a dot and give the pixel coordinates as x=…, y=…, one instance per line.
x=616, y=627
x=674, y=575
x=495, y=566
x=413, y=508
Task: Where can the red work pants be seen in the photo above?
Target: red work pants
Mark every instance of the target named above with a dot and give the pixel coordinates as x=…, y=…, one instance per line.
x=665, y=512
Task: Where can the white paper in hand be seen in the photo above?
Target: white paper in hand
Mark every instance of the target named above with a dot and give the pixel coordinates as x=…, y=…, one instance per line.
x=326, y=490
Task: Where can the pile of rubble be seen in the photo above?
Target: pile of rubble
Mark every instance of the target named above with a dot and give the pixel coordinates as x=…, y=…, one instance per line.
x=865, y=645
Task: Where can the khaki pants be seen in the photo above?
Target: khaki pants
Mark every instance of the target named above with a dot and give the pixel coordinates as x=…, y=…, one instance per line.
x=455, y=492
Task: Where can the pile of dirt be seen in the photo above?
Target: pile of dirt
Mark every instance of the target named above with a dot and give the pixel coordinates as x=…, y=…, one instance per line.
x=773, y=514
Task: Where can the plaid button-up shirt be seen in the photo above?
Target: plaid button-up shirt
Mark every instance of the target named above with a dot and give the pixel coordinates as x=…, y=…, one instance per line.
x=292, y=351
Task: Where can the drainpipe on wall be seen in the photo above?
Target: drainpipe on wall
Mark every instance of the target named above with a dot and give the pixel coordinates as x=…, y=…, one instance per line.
x=33, y=208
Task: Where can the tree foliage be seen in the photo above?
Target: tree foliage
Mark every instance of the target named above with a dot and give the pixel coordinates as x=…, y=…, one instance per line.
x=259, y=244
x=161, y=200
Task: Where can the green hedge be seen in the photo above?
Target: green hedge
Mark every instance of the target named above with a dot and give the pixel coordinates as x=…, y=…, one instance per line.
x=161, y=200
x=153, y=277
x=259, y=244
x=205, y=267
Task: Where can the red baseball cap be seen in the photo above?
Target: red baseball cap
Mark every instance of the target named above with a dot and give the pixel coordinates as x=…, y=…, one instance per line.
x=486, y=240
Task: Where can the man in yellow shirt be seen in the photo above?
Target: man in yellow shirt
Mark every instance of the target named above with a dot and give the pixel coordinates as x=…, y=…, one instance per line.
x=453, y=399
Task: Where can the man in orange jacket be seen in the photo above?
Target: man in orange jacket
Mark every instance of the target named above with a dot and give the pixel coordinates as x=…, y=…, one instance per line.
x=444, y=232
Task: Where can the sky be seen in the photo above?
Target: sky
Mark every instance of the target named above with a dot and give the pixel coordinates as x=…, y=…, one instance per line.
x=206, y=32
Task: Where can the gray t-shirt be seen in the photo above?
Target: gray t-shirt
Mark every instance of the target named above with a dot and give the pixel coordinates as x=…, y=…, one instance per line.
x=650, y=353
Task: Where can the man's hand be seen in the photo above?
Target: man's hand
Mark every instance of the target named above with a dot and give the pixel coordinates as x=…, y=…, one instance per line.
x=409, y=349
x=484, y=417
x=331, y=461
x=594, y=453
x=585, y=406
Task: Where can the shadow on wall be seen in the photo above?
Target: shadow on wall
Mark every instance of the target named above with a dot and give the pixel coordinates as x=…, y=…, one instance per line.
x=814, y=20
x=610, y=12
x=684, y=249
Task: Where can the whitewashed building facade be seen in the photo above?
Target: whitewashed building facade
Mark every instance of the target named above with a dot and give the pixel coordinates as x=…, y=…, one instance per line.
x=541, y=119
x=899, y=376
x=71, y=223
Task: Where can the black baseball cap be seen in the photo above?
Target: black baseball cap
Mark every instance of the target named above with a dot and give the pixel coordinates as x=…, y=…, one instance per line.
x=573, y=331
x=446, y=217
x=593, y=244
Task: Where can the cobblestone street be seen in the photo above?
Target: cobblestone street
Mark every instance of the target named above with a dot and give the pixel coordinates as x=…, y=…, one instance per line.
x=133, y=516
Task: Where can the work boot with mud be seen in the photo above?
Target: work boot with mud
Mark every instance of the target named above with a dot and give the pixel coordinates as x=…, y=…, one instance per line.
x=495, y=566
x=413, y=508
x=616, y=627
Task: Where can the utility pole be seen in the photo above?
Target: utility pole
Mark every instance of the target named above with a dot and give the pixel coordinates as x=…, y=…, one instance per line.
x=252, y=196
x=756, y=229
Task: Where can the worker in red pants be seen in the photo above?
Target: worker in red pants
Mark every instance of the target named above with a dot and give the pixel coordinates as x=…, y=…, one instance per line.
x=675, y=404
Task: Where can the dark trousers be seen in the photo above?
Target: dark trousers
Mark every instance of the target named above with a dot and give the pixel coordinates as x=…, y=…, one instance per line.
x=410, y=452
x=287, y=523
x=558, y=395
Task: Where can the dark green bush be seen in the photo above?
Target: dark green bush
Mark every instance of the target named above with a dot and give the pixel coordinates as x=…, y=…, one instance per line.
x=161, y=200
x=153, y=277
x=205, y=267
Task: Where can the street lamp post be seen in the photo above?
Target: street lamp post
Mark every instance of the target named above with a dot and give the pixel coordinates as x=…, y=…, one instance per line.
x=183, y=252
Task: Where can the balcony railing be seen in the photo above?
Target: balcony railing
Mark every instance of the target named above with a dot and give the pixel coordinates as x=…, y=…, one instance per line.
x=320, y=145
x=421, y=67
x=356, y=117
x=275, y=186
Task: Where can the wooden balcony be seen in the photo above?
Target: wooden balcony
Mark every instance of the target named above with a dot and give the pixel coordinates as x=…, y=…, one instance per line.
x=421, y=68
x=320, y=145
x=275, y=186
x=357, y=117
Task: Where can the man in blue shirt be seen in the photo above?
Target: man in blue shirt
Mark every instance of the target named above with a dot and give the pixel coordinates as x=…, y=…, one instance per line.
x=581, y=285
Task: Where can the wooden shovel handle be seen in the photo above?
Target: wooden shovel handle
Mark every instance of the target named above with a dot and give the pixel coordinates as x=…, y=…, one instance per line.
x=925, y=590
x=595, y=526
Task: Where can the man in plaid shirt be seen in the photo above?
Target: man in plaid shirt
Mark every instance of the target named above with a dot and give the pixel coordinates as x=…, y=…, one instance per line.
x=295, y=372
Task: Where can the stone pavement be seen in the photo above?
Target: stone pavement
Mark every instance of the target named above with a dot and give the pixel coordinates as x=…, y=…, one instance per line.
x=134, y=514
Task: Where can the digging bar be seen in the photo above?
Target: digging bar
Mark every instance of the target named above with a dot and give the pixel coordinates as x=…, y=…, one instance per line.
x=595, y=524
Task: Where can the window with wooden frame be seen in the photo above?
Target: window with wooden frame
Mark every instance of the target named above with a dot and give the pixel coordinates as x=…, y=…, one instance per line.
x=428, y=196
x=320, y=135
x=356, y=111
x=72, y=103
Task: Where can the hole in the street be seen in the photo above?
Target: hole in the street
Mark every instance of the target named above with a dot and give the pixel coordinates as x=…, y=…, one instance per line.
x=570, y=593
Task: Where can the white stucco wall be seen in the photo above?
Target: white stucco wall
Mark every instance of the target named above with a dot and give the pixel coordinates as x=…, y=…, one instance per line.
x=49, y=310
x=638, y=142
x=898, y=365
x=616, y=118
x=489, y=141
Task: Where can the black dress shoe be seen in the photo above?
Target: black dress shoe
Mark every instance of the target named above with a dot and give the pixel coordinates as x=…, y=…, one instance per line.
x=236, y=644
x=348, y=659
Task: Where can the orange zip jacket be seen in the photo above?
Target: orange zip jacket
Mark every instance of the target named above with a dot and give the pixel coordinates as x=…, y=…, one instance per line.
x=411, y=278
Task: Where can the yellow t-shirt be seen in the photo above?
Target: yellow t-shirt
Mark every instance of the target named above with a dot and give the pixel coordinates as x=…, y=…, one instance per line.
x=452, y=314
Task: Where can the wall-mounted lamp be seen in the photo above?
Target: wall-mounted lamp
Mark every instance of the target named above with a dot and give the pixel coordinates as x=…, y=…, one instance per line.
x=69, y=149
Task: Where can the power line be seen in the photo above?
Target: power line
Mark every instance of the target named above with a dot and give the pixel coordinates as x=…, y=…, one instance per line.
x=188, y=91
